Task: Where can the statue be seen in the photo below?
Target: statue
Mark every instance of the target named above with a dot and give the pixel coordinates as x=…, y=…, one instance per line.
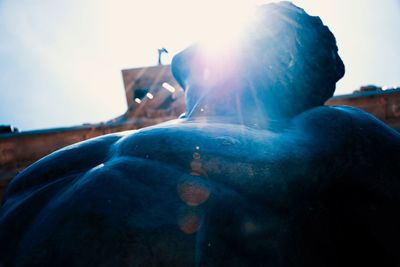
x=257, y=173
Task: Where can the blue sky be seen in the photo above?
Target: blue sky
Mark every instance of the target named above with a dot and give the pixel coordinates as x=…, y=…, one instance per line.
x=61, y=60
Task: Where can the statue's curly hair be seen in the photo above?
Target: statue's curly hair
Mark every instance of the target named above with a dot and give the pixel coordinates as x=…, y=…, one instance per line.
x=288, y=61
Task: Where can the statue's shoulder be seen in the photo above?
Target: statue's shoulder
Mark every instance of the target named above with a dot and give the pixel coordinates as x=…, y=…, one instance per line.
x=344, y=122
x=163, y=142
x=178, y=142
x=70, y=161
x=351, y=140
x=168, y=144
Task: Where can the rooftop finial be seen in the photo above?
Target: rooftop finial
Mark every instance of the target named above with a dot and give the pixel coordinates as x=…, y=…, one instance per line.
x=161, y=51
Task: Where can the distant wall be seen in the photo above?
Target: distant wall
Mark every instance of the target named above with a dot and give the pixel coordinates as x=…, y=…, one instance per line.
x=385, y=105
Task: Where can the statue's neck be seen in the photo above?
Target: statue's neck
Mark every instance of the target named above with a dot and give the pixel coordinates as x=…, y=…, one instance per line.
x=249, y=117
x=233, y=104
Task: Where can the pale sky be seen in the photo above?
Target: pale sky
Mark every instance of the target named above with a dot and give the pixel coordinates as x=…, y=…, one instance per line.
x=61, y=60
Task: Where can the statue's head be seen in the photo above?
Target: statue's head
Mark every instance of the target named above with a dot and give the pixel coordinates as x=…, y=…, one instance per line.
x=285, y=63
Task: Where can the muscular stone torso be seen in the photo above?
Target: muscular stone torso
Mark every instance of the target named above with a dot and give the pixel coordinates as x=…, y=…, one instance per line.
x=187, y=193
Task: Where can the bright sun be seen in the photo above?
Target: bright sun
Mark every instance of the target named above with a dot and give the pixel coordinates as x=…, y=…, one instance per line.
x=221, y=29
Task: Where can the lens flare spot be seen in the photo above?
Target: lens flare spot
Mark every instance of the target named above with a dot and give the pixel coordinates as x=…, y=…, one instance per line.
x=189, y=224
x=193, y=193
x=196, y=165
x=249, y=227
x=196, y=155
x=196, y=168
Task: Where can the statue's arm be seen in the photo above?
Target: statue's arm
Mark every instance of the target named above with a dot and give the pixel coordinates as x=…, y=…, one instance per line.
x=364, y=199
x=375, y=184
x=358, y=161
